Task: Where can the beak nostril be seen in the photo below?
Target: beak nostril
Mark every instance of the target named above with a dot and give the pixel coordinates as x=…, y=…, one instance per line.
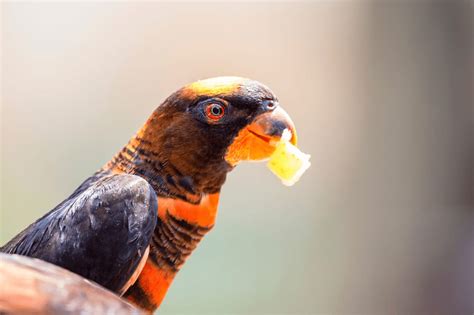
x=269, y=105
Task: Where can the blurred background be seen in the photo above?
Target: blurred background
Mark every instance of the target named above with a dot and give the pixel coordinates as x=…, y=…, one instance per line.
x=382, y=97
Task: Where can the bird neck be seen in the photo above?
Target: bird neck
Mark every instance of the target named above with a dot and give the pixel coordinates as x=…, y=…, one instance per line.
x=180, y=228
x=187, y=208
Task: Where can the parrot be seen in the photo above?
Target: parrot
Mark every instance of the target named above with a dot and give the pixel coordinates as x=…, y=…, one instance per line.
x=131, y=226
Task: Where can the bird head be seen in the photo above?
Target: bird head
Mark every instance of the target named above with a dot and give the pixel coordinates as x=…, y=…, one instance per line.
x=206, y=128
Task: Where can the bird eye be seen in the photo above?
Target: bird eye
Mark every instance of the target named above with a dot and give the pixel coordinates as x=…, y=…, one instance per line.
x=215, y=111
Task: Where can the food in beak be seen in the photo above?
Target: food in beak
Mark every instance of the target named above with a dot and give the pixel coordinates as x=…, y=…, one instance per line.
x=287, y=162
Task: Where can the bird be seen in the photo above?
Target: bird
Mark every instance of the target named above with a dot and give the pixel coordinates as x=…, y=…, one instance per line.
x=131, y=225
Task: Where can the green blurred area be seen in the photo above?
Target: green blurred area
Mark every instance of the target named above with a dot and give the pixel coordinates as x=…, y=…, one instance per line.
x=381, y=95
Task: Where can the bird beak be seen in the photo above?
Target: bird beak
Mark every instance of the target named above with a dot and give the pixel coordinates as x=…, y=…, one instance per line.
x=257, y=140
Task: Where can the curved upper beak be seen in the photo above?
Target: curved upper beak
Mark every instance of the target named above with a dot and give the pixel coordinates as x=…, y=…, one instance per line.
x=257, y=141
x=271, y=125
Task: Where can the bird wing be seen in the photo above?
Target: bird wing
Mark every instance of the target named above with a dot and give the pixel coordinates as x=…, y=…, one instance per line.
x=101, y=232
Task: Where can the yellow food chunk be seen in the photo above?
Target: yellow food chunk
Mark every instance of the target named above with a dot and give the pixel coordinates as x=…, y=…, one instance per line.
x=288, y=163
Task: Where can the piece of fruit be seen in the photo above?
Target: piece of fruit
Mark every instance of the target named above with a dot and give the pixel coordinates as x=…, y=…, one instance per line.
x=287, y=162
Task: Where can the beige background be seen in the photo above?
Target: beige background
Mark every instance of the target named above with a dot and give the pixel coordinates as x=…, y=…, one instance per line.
x=381, y=95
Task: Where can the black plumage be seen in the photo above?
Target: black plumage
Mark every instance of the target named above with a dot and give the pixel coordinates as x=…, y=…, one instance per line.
x=105, y=213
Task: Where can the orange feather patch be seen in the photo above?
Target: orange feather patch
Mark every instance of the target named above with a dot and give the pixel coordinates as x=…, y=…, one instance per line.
x=215, y=86
x=203, y=214
x=155, y=282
